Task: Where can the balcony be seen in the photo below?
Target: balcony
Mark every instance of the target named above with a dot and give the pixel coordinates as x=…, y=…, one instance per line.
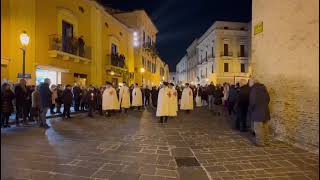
x=69, y=49
x=151, y=48
x=243, y=56
x=116, y=60
x=226, y=55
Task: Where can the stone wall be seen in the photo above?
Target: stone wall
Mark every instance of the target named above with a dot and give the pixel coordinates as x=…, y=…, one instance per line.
x=285, y=57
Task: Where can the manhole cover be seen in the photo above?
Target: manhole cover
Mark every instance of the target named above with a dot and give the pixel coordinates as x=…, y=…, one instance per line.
x=187, y=161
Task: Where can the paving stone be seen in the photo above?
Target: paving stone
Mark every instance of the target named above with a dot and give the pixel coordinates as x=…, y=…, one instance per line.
x=126, y=146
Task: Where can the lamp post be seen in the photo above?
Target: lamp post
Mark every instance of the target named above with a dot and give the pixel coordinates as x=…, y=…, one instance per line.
x=142, y=71
x=24, y=39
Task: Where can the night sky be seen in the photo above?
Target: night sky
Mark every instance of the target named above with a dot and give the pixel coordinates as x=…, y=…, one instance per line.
x=181, y=21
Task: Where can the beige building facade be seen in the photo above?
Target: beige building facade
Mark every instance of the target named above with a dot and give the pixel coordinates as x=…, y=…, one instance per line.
x=181, y=70
x=285, y=57
x=223, y=53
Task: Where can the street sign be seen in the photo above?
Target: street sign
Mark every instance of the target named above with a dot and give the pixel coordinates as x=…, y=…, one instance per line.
x=27, y=76
x=258, y=28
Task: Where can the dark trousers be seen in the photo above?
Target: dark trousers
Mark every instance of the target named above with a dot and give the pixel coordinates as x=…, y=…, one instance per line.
x=22, y=110
x=230, y=107
x=99, y=107
x=76, y=104
x=147, y=101
x=82, y=106
x=5, y=119
x=109, y=112
x=58, y=108
x=91, y=109
x=163, y=119
x=52, y=108
x=241, y=120
x=66, y=110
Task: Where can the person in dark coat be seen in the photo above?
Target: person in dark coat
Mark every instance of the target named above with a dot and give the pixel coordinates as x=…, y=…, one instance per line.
x=99, y=100
x=59, y=98
x=232, y=99
x=91, y=99
x=45, y=101
x=259, y=112
x=67, y=101
x=147, y=92
x=83, y=102
x=30, y=90
x=242, y=106
x=210, y=92
x=35, y=106
x=218, y=94
x=76, y=96
x=21, y=94
x=154, y=96
x=6, y=104
x=131, y=89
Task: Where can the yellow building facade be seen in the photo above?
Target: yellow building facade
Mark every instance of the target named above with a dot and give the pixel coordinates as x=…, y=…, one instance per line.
x=70, y=41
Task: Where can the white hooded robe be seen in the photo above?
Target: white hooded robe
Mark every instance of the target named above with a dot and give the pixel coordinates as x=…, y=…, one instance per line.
x=173, y=104
x=136, y=97
x=163, y=102
x=110, y=99
x=124, y=97
x=187, y=99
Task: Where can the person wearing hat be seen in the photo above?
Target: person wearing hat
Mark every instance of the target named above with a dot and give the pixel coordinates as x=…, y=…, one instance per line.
x=110, y=100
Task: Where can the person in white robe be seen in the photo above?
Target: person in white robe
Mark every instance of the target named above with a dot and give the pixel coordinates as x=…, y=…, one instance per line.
x=110, y=101
x=124, y=97
x=137, y=97
x=173, y=105
x=187, y=99
x=163, y=103
x=198, y=96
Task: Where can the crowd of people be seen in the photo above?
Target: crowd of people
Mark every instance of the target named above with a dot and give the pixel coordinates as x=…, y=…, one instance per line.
x=246, y=101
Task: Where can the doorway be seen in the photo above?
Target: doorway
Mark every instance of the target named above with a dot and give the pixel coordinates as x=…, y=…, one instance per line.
x=67, y=36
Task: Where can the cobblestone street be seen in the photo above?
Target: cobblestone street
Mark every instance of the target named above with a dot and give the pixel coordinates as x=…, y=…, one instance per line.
x=197, y=146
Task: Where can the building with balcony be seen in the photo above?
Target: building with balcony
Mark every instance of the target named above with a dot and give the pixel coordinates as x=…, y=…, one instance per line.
x=70, y=41
x=192, y=62
x=223, y=53
x=181, y=70
x=146, y=55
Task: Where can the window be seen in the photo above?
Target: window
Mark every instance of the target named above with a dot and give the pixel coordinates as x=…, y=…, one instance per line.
x=225, y=27
x=212, y=69
x=206, y=56
x=225, y=49
x=144, y=37
x=242, y=28
x=114, y=49
x=243, y=68
x=226, y=67
x=241, y=50
x=149, y=40
x=81, y=9
x=212, y=52
x=143, y=62
x=206, y=73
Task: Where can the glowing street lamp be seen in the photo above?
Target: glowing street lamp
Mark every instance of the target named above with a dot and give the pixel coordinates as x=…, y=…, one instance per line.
x=162, y=78
x=112, y=73
x=142, y=71
x=24, y=39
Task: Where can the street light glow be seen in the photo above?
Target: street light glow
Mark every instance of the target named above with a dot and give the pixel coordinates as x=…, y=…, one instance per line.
x=112, y=73
x=135, y=33
x=142, y=70
x=24, y=38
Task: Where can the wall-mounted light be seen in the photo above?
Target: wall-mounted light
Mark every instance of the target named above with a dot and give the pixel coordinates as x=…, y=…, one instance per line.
x=112, y=73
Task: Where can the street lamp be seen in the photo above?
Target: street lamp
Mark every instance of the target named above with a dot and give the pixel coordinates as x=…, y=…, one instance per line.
x=24, y=39
x=112, y=73
x=142, y=71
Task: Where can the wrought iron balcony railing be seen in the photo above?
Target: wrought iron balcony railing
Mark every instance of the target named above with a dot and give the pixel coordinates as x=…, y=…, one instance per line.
x=71, y=45
x=116, y=60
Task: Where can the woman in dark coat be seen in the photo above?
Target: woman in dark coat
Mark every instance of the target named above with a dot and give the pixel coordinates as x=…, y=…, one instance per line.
x=67, y=101
x=6, y=104
x=154, y=96
x=21, y=94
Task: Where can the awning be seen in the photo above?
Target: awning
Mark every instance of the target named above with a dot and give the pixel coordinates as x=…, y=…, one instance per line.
x=52, y=68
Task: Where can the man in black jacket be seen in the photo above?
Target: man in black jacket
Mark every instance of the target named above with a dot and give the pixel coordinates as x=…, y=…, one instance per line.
x=147, y=96
x=77, y=96
x=91, y=99
x=210, y=90
x=67, y=101
x=242, y=106
x=21, y=93
x=45, y=101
